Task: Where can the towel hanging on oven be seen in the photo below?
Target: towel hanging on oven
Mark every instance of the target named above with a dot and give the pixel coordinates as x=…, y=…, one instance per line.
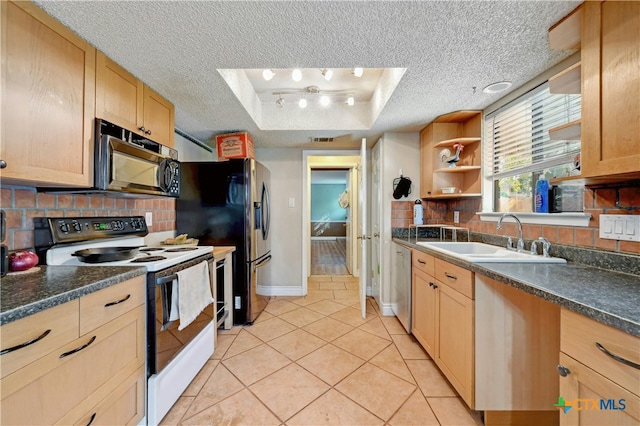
x=191, y=294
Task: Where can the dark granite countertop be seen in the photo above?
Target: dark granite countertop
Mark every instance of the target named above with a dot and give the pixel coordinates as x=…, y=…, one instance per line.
x=29, y=292
x=609, y=297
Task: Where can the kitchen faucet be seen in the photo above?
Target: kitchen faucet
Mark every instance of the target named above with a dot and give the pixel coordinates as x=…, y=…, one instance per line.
x=520, y=245
x=546, y=246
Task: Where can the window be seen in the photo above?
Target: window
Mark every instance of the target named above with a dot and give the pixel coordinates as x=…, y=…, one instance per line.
x=519, y=148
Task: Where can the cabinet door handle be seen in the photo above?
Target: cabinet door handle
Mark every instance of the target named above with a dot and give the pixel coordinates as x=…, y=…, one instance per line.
x=93, y=417
x=73, y=351
x=451, y=277
x=618, y=357
x=25, y=344
x=148, y=132
x=118, y=301
x=562, y=370
x=3, y=164
x=142, y=129
x=430, y=284
x=435, y=286
x=422, y=261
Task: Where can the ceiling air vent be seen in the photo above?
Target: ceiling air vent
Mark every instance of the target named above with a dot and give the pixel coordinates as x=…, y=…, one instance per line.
x=321, y=140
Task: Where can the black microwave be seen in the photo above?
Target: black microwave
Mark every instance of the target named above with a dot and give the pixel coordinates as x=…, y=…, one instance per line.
x=128, y=163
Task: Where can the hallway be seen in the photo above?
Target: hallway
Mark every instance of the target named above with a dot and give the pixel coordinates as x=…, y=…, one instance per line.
x=314, y=360
x=329, y=257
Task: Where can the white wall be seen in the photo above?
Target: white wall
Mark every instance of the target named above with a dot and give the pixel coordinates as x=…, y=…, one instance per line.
x=285, y=166
x=189, y=151
x=398, y=151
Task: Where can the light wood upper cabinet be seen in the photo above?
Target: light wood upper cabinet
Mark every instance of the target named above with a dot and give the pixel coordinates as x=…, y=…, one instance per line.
x=124, y=100
x=610, y=88
x=48, y=99
x=437, y=140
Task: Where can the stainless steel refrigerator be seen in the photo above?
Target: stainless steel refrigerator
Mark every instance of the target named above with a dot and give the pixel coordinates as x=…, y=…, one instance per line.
x=227, y=204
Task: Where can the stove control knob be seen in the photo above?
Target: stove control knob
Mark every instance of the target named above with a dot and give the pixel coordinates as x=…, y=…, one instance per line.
x=77, y=227
x=64, y=227
x=117, y=225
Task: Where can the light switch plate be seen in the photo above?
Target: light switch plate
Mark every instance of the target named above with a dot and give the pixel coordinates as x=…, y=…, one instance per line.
x=620, y=227
x=148, y=217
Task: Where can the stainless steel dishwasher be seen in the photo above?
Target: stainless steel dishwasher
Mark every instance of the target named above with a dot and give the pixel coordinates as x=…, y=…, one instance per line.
x=401, y=284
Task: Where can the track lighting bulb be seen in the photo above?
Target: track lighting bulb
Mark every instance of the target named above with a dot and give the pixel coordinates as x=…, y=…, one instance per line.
x=350, y=101
x=296, y=75
x=324, y=100
x=302, y=103
x=358, y=71
x=327, y=73
x=268, y=74
x=280, y=102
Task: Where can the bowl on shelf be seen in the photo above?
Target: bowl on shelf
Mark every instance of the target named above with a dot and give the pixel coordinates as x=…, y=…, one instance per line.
x=449, y=190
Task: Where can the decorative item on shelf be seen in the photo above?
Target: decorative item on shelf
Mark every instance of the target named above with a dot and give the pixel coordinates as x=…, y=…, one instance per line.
x=446, y=157
x=343, y=199
x=401, y=187
x=449, y=190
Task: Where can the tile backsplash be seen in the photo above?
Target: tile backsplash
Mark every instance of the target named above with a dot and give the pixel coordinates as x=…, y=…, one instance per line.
x=622, y=200
x=22, y=204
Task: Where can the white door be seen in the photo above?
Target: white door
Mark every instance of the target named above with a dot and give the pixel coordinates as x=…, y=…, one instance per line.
x=376, y=206
x=364, y=238
x=349, y=213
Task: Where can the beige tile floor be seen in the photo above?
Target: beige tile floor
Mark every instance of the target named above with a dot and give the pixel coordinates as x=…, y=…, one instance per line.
x=315, y=361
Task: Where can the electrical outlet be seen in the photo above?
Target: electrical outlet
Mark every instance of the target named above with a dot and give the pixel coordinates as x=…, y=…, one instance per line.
x=148, y=217
x=456, y=216
x=292, y=202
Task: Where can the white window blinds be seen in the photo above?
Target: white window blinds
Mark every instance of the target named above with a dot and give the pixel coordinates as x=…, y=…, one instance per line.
x=517, y=135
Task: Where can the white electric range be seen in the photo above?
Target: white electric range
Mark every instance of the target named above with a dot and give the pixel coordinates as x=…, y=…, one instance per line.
x=173, y=357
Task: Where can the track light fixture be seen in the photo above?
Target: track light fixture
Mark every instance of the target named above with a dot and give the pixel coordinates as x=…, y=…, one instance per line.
x=327, y=73
x=296, y=75
x=358, y=71
x=268, y=74
x=325, y=97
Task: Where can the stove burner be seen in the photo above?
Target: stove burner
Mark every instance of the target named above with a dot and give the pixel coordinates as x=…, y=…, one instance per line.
x=151, y=249
x=148, y=259
x=179, y=249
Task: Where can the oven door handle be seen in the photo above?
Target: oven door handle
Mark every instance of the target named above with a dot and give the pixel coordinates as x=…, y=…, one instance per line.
x=166, y=279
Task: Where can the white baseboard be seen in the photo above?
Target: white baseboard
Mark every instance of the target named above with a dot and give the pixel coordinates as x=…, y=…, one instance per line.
x=280, y=291
x=386, y=310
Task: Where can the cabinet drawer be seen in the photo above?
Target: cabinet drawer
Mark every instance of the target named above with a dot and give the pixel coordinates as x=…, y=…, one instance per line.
x=102, y=306
x=47, y=330
x=66, y=388
x=455, y=277
x=422, y=261
x=578, y=338
x=124, y=406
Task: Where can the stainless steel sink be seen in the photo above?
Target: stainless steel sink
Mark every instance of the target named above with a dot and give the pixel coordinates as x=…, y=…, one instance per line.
x=480, y=253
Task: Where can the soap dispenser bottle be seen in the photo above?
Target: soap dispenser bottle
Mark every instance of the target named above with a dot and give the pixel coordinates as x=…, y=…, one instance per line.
x=542, y=195
x=418, y=213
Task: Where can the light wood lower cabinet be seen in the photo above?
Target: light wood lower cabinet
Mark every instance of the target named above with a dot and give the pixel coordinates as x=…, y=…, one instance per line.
x=96, y=372
x=599, y=389
x=442, y=319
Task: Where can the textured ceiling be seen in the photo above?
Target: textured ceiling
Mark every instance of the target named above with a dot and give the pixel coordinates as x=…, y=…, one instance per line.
x=447, y=47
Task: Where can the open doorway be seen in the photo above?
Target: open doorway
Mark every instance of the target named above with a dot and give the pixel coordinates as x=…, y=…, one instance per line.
x=348, y=163
x=330, y=220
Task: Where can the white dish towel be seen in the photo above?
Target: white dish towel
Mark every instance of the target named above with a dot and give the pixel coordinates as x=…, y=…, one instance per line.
x=191, y=294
